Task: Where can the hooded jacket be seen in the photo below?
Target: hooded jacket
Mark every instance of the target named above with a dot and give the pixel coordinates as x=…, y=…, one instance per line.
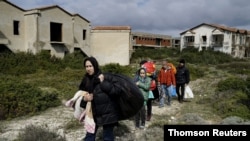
x=182, y=75
x=104, y=106
x=166, y=77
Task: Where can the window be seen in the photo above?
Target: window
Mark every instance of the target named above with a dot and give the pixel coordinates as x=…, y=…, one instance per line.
x=204, y=38
x=56, y=32
x=84, y=34
x=16, y=27
x=190, y=39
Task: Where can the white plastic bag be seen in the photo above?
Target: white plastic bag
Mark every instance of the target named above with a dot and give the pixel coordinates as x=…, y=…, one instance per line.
x=188, y=92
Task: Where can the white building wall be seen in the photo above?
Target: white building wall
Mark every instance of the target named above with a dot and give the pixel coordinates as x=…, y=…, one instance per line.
x=111, y=46
x=78, y=27
x=208, y=31
x=34, y=30
x=31, y=31
x=203, y=31
x=55, y=15
x=8, y=14
x=227, y=48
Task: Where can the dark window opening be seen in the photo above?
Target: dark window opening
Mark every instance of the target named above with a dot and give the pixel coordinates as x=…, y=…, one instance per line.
x=56, y=32
x=204, y=38
x=16, y=27
x=84, y=34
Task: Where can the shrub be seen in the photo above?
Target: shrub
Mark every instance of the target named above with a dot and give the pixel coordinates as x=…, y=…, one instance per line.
x=233, y=83
x=35, y=133
x=19, y=98
x=233, y=104
x=116, y=68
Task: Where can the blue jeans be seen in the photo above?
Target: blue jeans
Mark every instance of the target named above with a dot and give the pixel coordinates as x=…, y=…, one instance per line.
x=108, y=133
x=167, y=91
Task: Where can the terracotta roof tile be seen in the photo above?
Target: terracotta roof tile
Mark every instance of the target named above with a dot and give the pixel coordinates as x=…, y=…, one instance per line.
x=111, y=28
x=220, y=27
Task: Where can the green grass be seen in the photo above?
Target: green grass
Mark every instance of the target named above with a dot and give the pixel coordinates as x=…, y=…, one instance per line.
x=49, y=80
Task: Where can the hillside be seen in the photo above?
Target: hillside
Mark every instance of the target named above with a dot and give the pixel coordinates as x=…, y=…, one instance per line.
x=55, y=119
x=193, y=111
x=34, y=85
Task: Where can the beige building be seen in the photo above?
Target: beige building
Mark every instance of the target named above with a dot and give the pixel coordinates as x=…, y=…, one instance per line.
x=111, y=44
x=47, y=28
x=59, y=32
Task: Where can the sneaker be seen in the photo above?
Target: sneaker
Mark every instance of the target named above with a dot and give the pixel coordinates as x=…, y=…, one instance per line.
x=142, y=126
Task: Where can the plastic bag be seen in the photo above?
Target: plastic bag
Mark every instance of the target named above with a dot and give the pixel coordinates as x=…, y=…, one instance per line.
x=173, y=91
x=150, y=95
x=188, y=92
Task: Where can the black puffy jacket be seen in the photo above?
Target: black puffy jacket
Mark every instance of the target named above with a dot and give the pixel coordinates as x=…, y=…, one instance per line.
x=182, y=75
x=104, y=103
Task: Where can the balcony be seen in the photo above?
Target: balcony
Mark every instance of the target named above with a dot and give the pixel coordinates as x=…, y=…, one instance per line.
x=189, y=44
x=217, y=44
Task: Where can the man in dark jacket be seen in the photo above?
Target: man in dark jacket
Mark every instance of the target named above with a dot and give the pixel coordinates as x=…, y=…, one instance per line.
x=182, y=78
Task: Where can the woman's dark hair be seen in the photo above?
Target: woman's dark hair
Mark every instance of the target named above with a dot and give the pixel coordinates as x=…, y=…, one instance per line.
x=93, y=62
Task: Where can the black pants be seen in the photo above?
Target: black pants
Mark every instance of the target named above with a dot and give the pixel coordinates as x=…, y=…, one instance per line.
x=180, y=94
x=140, y=117
x=149, y=107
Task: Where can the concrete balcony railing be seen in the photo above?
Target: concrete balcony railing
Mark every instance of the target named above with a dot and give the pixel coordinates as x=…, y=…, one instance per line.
x=217, y=44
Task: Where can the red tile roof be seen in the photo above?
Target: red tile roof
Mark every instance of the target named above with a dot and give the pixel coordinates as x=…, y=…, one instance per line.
x=111, y=28
x=220, y=27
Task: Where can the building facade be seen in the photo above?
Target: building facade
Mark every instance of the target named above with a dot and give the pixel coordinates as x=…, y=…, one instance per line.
x=111, y=44
x=48, y=28
x=140, y=39
x=233, y=41
x=59, y=32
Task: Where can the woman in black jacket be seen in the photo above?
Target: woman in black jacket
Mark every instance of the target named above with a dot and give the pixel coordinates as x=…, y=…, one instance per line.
x=102, y=93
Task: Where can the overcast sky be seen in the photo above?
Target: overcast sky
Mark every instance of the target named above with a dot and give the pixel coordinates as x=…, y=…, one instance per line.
x=168, y=17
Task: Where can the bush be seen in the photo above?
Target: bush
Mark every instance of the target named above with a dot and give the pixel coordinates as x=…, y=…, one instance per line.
x=232, y=83
x=233, y=104
x=116, y=68
x=35, y=133
x=235, y=99
x=19, y=98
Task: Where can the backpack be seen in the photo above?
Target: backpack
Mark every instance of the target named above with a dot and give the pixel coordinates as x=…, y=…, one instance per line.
x=150, y=68
x=130, y=99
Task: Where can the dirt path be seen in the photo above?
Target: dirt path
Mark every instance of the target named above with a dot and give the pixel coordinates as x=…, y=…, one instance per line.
x=55, y=119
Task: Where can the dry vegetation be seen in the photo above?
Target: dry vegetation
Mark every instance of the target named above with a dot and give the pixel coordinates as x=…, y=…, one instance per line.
x=63, y=81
